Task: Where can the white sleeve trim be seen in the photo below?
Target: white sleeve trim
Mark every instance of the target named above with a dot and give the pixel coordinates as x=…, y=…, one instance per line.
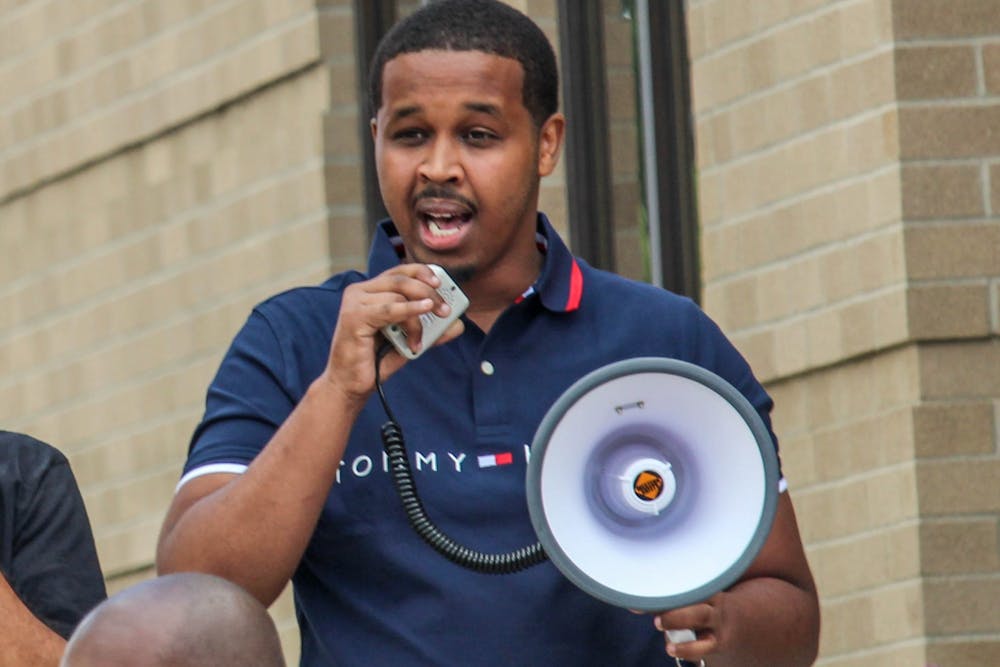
x=782, y=484
x=234, y=468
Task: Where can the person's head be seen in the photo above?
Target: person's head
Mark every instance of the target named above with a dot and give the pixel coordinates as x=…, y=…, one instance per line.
x=465, y=125
x=178, y=620
x=488, y=26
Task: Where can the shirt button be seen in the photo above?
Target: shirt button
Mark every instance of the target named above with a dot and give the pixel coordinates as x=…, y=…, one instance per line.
x=487, y=368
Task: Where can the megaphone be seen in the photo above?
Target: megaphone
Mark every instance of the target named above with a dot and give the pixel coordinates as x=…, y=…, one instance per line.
x=652, y=484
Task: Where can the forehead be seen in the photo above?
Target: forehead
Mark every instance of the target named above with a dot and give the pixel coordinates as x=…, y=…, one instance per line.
x=461, y=76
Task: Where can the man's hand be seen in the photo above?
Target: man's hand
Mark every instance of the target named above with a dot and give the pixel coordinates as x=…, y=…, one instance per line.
x=398, y=296
x=770, y=618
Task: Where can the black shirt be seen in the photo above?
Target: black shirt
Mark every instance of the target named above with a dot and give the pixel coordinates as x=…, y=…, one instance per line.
x=47, y=551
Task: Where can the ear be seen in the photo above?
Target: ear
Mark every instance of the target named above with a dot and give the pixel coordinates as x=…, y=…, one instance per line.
x=550, y=138
x=373, y=124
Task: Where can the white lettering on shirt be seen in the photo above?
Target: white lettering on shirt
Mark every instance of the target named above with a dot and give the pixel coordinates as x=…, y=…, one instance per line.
x=430, y=458
x=457, y=460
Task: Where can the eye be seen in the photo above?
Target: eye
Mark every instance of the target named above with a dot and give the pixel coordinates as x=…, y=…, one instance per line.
x=480, y=137
x=410, y=136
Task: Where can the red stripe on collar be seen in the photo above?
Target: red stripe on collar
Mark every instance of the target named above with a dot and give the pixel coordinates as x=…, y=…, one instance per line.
x=575, y=288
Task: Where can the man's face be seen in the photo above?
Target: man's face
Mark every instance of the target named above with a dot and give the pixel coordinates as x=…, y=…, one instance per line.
x=459, y=161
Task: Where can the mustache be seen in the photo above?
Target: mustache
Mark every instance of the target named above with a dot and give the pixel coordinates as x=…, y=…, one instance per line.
x=440, y=193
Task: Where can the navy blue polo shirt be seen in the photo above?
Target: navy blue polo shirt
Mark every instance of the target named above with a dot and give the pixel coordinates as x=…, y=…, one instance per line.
x=368, y=591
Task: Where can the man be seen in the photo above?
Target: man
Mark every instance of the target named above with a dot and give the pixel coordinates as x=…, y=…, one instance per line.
x=179, y=620
x=50, y=576
x=286, y=480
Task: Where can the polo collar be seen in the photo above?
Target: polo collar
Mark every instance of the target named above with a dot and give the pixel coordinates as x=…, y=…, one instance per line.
x=559, y=286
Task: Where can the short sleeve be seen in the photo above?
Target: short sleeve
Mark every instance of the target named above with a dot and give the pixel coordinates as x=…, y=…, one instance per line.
x=247, y=401
x=54, y=567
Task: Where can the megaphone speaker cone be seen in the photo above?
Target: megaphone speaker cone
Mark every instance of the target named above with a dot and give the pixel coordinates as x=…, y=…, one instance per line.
x=652, y=483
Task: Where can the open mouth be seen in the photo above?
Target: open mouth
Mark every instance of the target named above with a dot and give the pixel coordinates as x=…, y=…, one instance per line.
x=444, y=220
x=442, y=226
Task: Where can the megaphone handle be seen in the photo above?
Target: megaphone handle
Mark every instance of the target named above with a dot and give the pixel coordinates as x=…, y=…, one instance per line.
x=679, y=637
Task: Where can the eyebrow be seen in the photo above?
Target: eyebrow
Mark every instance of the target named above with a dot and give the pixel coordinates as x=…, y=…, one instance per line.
x=477, y=107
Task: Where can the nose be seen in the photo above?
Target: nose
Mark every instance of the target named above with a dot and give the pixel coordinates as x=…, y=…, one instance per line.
x=442, y=162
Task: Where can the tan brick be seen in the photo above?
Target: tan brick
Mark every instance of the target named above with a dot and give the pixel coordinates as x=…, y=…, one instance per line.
x=867, y=561
x=859, y=86
x=847, y=625
x=965, y=370
x=695, y=30
x=948, y=311
x=916, y=19
x=994, y=175
x=991, y=67
x=900, y=654
x=963, y=652
x=959, y=546
x=942, y=191
x=898, y=613
x=962, y=606
x=950, y=429
x=809, y=162
x=792, y=413
x=717, y=80
x=824, y=338
x=853, y=391
x=123, y=549
x=117, y=458
x=724, y=22
x=128, y=501
x=791, y=344
x=932, y=72
x=952, y=250
x=959, y=486
x=858, y=447
x=935, y=132
x=884, y=498
x=759, y=349
x=797, y=462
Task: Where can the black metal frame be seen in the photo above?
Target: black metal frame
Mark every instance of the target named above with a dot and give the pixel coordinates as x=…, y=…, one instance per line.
x=679, y=252
x=372, y=19
x=588, y=173
x=588, y=150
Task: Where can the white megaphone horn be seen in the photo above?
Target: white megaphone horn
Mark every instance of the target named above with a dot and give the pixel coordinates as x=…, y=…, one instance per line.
x=652, y=484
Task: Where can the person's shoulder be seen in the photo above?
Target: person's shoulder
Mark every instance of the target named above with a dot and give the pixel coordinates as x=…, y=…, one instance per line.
x=26, y=448
x=605, y=287
x=329, y=290
x=25, y=458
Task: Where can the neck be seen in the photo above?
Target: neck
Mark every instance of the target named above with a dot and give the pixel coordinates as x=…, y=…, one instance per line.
x=490, y=294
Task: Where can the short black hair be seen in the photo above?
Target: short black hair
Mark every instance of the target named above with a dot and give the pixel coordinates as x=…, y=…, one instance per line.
x=489, y=26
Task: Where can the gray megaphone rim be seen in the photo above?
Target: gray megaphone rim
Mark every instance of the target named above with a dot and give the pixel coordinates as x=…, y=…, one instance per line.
x=550, y=422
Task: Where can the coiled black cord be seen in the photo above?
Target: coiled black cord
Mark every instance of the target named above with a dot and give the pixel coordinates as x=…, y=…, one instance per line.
x=402, y=477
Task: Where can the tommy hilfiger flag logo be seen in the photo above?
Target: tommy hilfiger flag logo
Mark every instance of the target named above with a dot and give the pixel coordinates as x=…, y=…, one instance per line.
x=491, y=460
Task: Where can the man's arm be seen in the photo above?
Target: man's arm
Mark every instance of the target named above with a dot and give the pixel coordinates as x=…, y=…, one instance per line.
x=770, y=618
x=25, y=640
x=253, y=528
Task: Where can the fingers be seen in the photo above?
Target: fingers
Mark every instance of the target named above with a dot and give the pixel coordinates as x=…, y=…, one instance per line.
x=700, y=619
x=398, y=296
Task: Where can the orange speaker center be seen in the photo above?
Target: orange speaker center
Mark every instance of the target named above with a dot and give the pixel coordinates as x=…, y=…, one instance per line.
x=648, y=485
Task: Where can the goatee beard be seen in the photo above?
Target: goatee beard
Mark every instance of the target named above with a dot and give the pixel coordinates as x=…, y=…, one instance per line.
x=461, y=274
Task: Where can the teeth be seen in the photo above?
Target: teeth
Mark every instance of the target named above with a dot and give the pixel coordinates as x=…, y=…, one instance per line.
x=436, y=230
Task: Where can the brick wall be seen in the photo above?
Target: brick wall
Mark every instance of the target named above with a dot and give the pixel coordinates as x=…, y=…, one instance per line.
x=847, y=154
x=163, y=166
